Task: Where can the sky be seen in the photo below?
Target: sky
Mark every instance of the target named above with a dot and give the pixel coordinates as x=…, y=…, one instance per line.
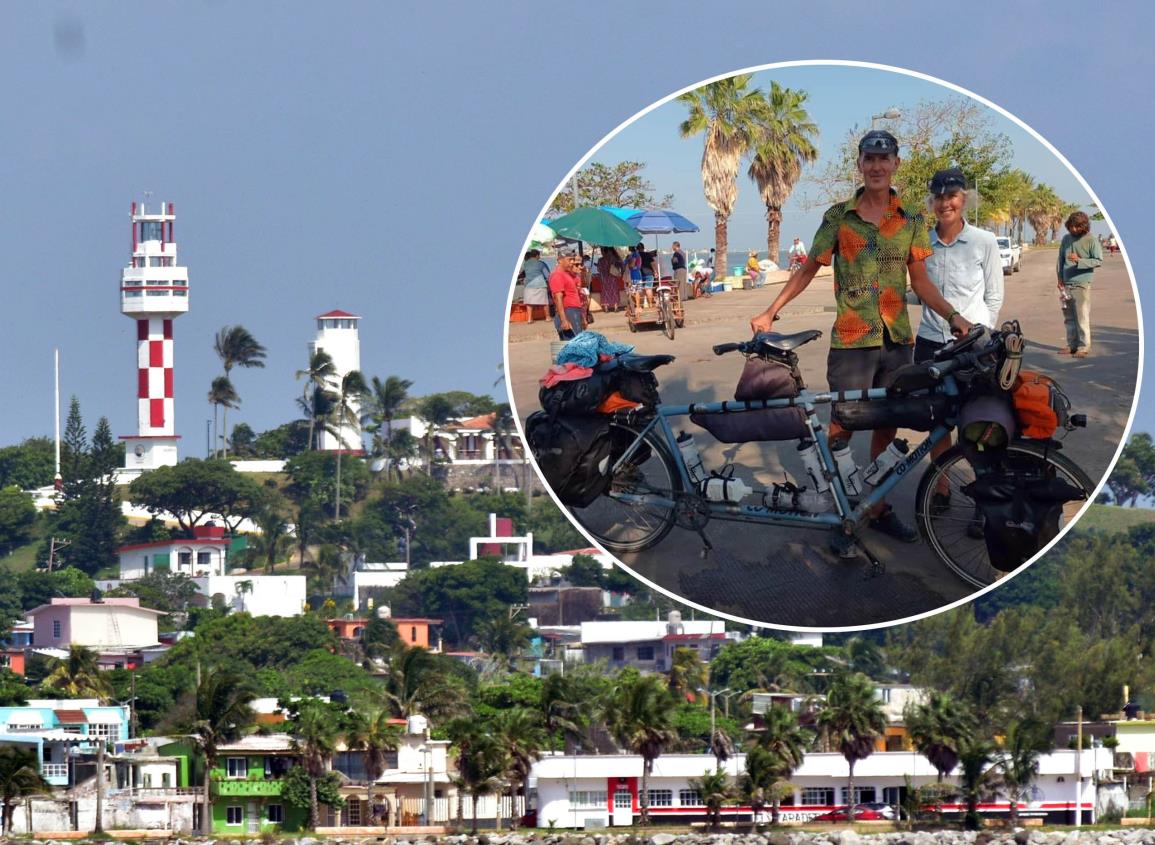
x=388, y=159
x=840, y=98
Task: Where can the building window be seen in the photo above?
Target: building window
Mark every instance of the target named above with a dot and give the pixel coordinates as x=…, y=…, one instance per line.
x=234, y=815
x=184, y=560
x=166, y=779
x=204, y=559
x=353, y=806
x=863, y=794
x=55, y=629
x=661, y=798
x=619, y=653
x=817, y=796
x=645, y=652
x=276, y=814
x=110, y=732
x=588, y=798
x=413, y=633
x=237, y=767
x=689, y=798
x=147, y=781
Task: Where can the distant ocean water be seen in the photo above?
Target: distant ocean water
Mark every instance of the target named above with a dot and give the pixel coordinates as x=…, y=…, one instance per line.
x=733, y=259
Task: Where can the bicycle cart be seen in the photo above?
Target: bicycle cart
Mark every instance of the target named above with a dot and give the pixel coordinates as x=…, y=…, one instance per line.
x=659, y=304
x=970, y=503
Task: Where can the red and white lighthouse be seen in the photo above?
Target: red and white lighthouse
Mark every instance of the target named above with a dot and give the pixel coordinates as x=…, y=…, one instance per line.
x=153, y=293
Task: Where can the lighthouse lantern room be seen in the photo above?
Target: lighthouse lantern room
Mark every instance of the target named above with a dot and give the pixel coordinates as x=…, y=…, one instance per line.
x=153, y=293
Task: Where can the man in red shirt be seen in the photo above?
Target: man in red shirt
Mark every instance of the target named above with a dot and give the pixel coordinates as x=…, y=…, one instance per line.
x=565, y=291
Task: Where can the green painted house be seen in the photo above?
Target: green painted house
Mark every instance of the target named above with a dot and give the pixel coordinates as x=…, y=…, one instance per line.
x=246, y=784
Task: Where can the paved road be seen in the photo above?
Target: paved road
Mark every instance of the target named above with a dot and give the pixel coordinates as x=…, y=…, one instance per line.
x=782, y=576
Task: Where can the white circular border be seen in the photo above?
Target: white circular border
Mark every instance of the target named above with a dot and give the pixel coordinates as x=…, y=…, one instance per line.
x=926, y=78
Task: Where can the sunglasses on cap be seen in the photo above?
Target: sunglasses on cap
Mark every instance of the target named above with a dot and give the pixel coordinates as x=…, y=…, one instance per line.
x=947, y=184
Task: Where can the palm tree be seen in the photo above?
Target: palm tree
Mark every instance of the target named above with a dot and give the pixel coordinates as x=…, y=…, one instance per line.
x=317, y=397
x=639, y=714
x=435, y=411
x=372, y=735
x=785, y=144
x=221, y=394
x=501, y=635
x=688, y=674
x=715, y=790
x=500, y=425
x=1019, y=761
x=521, y=732
x=786, y=742
x=345, y=413
x=19, y=778
x=236, y=348
x=382, y=402
x=1040, y=210
x=976, y=778
x=727, y=112
x=757, y=782
x=481, y=761
x=216, y=712
x=560, y=708
x=938, y=727
x=402, y=446
x=315, y=734
x=273, y=544
x=852, y=719
x=78, y=675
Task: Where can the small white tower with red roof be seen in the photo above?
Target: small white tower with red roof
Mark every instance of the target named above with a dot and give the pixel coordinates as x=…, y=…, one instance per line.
x=153, y=293
x=337, y=336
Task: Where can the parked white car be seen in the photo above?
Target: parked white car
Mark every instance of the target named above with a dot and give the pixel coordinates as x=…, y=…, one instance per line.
x=1011, y=254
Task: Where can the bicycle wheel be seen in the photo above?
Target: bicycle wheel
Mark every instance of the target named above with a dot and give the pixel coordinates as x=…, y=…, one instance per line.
x=667, y=315
x=627, y=526
x=955, y=531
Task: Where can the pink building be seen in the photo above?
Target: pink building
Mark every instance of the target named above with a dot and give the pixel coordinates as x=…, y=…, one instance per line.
x=104, y=625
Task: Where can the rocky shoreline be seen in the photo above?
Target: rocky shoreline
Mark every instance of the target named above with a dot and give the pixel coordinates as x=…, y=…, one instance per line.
x=834, y=836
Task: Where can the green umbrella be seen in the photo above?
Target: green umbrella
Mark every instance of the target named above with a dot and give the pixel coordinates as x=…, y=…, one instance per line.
x=595, y=226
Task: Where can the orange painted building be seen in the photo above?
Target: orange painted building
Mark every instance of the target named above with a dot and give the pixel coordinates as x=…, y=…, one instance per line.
x=416, y=632
x=347, y=629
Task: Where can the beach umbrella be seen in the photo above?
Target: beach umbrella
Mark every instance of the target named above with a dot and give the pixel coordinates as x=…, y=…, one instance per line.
x=595, y=226
x=660, y=221
x=541, y=233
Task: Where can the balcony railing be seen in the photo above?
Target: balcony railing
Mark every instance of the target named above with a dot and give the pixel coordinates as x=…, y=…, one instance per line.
x=241, y=788
x=54, y=770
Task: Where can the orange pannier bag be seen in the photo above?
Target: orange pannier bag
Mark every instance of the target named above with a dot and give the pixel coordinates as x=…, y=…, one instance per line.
x=1037, y=402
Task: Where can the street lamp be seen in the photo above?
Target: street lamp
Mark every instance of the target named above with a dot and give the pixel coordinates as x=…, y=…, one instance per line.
x=713, y=706
x=890, y=114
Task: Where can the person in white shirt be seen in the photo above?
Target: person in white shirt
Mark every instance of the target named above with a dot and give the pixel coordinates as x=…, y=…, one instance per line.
x=968, y=272
x=797, y=250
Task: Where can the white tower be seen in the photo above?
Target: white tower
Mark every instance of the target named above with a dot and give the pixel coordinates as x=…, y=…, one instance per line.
x=337, y=336
x=153, y=292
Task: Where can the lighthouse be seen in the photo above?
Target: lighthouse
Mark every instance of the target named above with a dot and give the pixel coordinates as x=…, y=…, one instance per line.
x=153, y=293
x=337, y=336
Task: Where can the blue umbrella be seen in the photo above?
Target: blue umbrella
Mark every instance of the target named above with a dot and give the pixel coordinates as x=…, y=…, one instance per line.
x=660, y=221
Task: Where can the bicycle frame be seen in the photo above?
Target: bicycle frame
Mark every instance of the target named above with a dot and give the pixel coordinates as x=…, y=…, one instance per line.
x=808, y=401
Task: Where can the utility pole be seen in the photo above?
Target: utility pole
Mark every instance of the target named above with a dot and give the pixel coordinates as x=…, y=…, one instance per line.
x=98, y=827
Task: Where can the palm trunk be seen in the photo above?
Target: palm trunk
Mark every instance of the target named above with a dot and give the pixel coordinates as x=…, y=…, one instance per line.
x=850, y=795
x=775, y=810
x=6, y=818
x=213, y=450
x=206, y=800
x=644, y=798
x=98, y=827
x=473, y=805
x=225, y=432
x=314, y=807
x=337, y=505
x=773, y=231
x=721, y=243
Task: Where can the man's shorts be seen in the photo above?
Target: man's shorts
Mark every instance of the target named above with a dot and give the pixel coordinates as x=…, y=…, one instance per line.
x=862, y=369
x=924, y=348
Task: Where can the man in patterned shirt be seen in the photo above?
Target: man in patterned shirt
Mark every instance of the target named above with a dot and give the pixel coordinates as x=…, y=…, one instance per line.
x=873, y=243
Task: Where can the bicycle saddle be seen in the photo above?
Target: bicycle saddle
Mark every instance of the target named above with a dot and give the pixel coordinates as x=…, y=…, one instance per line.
x=637, y=363
x=774, y=342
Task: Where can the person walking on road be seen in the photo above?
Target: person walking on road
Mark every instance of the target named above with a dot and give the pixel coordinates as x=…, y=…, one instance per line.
x=873, y=243
x=565, y=289
x=681, y=275
x=1079, y=255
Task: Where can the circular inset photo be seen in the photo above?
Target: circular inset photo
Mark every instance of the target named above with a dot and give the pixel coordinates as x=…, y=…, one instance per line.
x=823, y=345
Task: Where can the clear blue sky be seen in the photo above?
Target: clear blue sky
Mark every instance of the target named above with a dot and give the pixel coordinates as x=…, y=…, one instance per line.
x=839, y=99
x=387, y=159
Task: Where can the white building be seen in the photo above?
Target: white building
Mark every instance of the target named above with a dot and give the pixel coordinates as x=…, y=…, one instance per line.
x=368, y=577
x=205, y=554
x=153, y=292
x=650, y=645
x=600, y=790
x=258, y=595
x=119, y=624
x=337, y=336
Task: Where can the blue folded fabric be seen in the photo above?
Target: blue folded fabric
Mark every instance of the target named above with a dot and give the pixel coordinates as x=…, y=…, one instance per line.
x=586, y=348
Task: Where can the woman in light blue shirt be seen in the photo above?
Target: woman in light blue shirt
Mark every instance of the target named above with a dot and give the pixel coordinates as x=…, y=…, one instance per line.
x=968, y=272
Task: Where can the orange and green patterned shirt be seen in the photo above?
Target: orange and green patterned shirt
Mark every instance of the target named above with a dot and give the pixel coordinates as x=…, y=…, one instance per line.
x=870, y=271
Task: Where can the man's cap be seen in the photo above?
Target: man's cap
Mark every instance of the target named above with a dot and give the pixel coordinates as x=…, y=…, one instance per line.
x=947, y=181
x=878, y=141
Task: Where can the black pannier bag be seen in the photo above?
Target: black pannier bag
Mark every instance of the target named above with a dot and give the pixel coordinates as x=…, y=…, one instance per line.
x=579, y=397
x=575, y=454
x=763, y=378
x=919, y=413
x=749, y=426
x=1020, y=513
x=637, y=386
x=911, y=378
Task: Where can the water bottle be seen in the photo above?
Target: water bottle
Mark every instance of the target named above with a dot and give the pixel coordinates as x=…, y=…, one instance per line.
x=808, y=452
x=690, y=456
x=848, y=470
x=789, y=497
x=881, y=466
x=725, y=488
